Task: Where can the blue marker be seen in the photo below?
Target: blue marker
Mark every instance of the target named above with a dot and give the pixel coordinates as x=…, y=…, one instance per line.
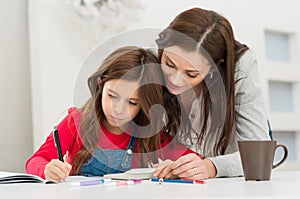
x=186, y=181
x=161, y=180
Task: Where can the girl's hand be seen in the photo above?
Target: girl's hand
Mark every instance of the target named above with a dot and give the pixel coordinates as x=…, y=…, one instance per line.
x=163, y=170
x=192, y=166
x=57, y=170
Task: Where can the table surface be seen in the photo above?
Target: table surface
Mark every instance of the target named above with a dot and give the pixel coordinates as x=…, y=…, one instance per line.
x=283, y=184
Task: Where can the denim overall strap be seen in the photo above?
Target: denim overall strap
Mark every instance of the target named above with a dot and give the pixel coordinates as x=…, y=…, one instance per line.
x=105, y=161
x=126, y=162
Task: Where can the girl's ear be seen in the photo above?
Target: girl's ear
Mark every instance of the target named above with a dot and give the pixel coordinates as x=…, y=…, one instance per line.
x=99, y=82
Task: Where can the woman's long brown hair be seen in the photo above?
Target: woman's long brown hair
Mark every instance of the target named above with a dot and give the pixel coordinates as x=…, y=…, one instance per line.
x=132, y=64
x=211, y=35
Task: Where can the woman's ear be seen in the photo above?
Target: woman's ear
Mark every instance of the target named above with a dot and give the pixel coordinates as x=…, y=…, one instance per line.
x=221, y=61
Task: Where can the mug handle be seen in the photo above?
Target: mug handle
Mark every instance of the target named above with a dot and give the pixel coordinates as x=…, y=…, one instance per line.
x=284, y=156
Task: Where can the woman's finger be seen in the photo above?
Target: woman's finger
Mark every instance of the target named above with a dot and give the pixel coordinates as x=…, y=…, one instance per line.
x=186, y=164
x=184, y=160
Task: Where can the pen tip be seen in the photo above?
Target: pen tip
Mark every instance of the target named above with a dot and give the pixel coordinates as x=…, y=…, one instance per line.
x=55, y=128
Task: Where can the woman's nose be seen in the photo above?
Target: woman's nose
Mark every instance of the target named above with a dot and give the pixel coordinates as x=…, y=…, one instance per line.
x=176, y=78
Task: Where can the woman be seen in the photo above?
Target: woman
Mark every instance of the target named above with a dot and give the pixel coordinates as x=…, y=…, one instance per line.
x=216, y=79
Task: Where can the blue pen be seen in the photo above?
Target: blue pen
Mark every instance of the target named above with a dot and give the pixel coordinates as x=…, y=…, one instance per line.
x=90, y=182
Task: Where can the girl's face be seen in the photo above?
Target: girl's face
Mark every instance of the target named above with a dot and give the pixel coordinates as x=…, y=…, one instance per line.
x=120, y=103
x=183, y=69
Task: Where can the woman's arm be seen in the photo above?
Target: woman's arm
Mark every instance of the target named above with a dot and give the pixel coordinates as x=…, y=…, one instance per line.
x=251, y=123
x=251, y=117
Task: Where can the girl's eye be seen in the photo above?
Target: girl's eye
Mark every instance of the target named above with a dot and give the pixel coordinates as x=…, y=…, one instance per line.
x=112, y=96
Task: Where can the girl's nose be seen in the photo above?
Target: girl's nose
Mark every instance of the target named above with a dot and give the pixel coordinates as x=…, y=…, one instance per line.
x=118, y=107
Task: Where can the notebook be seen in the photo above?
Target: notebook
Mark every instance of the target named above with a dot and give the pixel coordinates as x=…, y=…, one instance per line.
x=132, y=174
x=11, y=177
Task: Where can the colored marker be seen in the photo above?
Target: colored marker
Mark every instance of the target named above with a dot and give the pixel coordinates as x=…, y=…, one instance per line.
x=185, y=181
x=121, y=183
x=90, y=182
x=195, y=181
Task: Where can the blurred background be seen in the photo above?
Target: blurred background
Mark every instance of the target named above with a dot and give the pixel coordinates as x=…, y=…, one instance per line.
x=44, y=45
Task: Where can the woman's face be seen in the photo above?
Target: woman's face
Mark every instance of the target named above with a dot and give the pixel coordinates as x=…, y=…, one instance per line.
x=120, y=103
x=183, y=69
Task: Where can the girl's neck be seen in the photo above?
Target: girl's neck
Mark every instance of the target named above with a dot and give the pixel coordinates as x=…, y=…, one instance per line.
x=113, y=129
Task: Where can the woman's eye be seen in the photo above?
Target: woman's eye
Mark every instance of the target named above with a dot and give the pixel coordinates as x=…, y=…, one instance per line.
x=132, y=103
x=192, y=76
x=170, y=65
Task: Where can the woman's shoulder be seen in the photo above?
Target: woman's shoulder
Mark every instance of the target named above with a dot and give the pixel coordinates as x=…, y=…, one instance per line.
x=246, y=66
x=247, y=78
x=246, y=62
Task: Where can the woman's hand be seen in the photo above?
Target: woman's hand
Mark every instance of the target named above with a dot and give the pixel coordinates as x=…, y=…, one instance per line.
x=163, y=170
x=57, y=170
x=192, y=166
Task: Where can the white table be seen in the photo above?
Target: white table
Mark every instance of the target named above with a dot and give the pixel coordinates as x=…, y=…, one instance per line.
x=283, y=184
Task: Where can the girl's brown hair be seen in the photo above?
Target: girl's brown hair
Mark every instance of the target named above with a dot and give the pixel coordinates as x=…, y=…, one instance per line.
x=211, y=35
x=133, y=64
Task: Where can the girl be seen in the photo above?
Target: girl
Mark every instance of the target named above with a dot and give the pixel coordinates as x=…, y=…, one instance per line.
x=217, y=82
x=117, y=128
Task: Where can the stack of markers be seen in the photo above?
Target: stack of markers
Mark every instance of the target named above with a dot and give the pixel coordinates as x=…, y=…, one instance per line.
x=106, y=182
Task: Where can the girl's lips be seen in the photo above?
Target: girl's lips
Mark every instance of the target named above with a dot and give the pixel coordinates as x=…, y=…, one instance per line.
x=115, y=118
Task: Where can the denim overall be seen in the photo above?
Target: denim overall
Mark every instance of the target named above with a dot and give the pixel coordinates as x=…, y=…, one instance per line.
x=105, y=161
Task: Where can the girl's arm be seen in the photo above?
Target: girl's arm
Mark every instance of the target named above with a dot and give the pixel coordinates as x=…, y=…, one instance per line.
x=68, y=135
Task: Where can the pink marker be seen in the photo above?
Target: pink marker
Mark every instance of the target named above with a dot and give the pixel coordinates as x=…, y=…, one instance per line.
x=121, y=183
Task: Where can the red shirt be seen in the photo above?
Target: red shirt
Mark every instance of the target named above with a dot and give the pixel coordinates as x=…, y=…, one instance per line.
x=71, y=141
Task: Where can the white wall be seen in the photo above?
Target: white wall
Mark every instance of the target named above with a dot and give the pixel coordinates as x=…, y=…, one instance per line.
x=54, y=67
x=15, y=100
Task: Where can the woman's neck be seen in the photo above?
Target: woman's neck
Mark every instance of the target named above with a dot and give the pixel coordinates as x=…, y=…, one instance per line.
x=188, y=97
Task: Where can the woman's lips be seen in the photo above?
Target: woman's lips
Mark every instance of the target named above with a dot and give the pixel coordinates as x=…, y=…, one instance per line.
x=172, y=86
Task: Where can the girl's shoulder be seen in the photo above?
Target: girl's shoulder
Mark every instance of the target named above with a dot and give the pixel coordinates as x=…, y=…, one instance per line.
x=74, y=117
x=74, y=112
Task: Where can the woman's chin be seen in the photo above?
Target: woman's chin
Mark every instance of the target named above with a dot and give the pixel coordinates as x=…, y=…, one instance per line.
x=175, y=91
